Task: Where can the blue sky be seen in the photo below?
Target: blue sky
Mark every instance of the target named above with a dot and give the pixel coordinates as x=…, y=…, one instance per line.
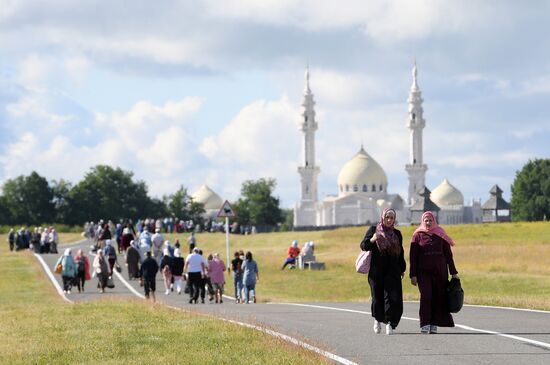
x=194, y=92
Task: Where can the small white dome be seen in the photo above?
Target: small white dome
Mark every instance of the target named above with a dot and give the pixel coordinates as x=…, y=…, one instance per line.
x=208, y=197
x=362, y=174
x=446, y=194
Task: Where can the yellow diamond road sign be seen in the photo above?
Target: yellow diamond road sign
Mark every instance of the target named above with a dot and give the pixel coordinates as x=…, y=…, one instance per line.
x=226, y=210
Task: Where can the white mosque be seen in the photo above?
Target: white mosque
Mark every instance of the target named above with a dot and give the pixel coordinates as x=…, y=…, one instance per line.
x=362, y=183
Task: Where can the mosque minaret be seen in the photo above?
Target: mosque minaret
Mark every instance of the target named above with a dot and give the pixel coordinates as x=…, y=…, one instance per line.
x=309, y=171
x=416, y=123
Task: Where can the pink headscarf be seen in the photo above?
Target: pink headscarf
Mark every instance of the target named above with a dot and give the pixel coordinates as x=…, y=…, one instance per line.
x=386, y=239
x=436, y=229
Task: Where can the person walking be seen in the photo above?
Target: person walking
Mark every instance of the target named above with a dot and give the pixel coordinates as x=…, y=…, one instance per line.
x=157, y=241
x=133, y=259
x=148, y=274
x=431, y=261
x=192, y=241
x=194, y=268
x=166, y=270
x=177, y=269
x=386, y=271
x=110, y=254
x=236, y=267
x=101, y=269
x=250, y=277
x=68, y=270
x=216, y=270
x=82, y=270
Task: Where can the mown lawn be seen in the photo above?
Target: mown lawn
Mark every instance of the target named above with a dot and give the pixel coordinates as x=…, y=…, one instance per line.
x=38, y=327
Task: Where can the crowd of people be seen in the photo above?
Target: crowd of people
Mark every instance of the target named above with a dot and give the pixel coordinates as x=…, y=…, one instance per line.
x=431, y=259
x=147, y=255
x=41, y=240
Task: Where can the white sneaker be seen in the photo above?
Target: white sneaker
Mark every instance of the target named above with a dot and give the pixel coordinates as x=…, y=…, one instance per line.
x=167, y=292
x=425, y=329
x=389, y=329
x=377, y=327
x=433, y=329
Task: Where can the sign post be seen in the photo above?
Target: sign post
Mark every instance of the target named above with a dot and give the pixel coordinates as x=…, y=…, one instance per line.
x=226, y=211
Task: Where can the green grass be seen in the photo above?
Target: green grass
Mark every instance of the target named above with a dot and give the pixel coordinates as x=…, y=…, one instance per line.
x=503, y=264
x=38, y=327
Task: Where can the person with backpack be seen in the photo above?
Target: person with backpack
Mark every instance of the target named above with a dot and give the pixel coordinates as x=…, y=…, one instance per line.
x=387, y=270
x=82, y=270
x=110, y=254
x=68, y=270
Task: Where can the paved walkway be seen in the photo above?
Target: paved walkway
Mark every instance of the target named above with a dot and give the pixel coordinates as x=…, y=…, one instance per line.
x=483, y=335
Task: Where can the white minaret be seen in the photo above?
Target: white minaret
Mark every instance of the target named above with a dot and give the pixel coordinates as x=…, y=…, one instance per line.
x=305, y=212
x=416, y=167
x=309, y=171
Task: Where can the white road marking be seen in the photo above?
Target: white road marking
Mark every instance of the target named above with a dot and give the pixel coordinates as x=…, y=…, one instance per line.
x=468, y=328
x=287, y=338
x=52, y=278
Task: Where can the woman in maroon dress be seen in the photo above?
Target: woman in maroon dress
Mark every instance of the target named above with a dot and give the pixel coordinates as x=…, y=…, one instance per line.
x=431, y=258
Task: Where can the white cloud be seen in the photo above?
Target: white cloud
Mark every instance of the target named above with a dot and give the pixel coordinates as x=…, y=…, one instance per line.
x=77, y=69
x=149, y=139
x=381, y=20
x=35, y=70
x=258, y=142
x=539, y=85
x=485, y=160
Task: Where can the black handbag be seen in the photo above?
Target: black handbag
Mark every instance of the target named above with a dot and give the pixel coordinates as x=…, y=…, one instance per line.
x=455, y=296
x=110, y=282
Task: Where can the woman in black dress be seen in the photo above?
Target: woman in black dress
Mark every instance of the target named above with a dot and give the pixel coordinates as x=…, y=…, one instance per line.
x=386, y=271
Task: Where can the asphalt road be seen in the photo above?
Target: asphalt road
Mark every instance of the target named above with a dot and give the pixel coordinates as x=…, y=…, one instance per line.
x=343, y=331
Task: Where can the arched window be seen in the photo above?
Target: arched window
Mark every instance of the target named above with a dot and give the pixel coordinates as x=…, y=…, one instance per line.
x=381, y=188
x=373, y=187
x=347, y=187
x=355, y=188
x=341, y=188
x=364, y=188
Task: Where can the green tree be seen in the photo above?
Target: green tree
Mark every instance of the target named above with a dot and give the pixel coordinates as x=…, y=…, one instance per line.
x=257, y=206
x=182, y=206
x=28, y=199
x=109, y=193
x=60, y=192
x=531, y=191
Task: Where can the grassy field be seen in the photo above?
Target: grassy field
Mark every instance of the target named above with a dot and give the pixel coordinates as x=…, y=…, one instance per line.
x=38, y=327
x=506, y=264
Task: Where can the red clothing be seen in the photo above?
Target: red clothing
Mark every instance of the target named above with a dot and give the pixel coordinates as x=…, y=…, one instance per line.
x=431, y=260
x=293, y=252
x=86, y=266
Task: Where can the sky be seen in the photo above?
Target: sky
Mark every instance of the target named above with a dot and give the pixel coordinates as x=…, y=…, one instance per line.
x=210, y=92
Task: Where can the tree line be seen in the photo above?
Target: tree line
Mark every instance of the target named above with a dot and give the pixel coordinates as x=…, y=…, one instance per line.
x=112, y=193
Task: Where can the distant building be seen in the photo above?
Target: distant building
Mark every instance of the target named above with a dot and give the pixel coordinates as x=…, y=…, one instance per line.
x=362, y=184
x=496, y=209
x=212, y=201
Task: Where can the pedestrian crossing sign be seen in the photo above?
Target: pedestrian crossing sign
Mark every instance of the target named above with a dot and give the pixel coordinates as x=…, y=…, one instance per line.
x=226, y=210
